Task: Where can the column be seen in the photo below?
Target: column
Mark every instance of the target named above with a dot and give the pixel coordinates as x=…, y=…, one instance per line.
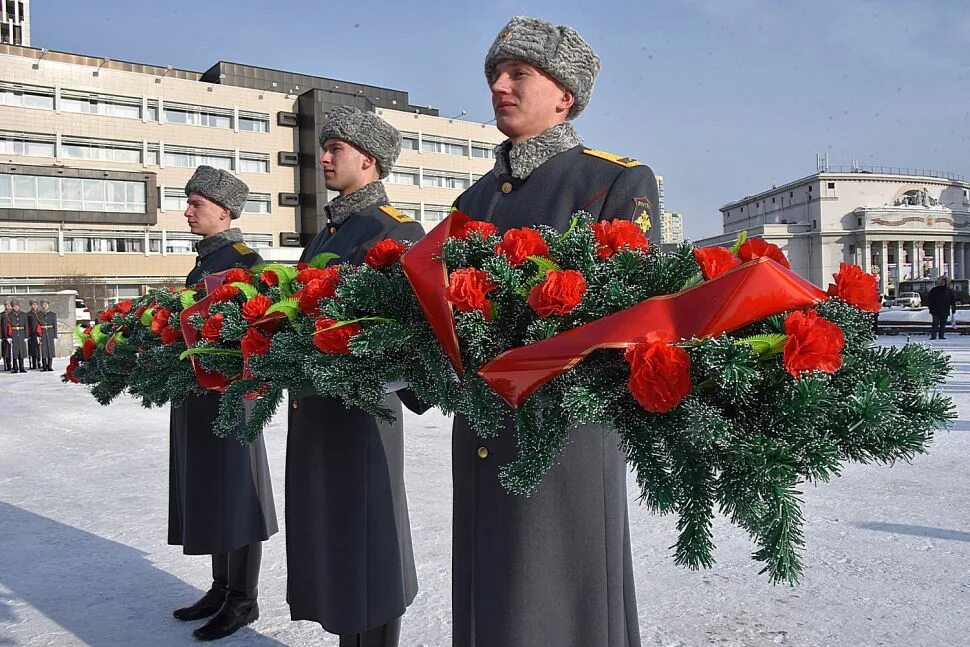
x=951, y=259
x=916, y=273
x=938, y=256
x=900, y=258
x=883, y=267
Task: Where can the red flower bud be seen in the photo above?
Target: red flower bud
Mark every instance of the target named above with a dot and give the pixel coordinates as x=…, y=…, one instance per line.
x=323, y=288
x=715, y=261
x=613, y=236
x=519, y=244
x=335, y=341
x=814, y=344
x=468, y=289
x=558, y=294
x=659, y=373
x=88, y=348
x=123, y=307
x=212, y=328
x=256, y=307
x=238, y=275
x=387, y=252
x=254, y=343
x=759, y=248
x=225, y=292
x=269, y=277
x=856, y=288
x=463, y=228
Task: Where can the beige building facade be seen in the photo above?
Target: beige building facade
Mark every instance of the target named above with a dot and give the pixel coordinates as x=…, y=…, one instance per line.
x=899, y=224
x=95, y=154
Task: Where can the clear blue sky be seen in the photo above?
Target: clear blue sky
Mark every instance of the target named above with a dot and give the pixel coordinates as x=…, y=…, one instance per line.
x=718, y=96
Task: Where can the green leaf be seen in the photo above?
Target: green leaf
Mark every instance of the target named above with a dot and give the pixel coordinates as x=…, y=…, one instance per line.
x=743, y=236
x=544, y=264
x=765, y=345
x=695, y=279
x=98, y=336
x=289, y=307
x=146, y=317
x=320, y=260
x=120, y=338
x=210, y=351
x=285, y=273
x=246, y=289
x=572, y=225
x=79, y=335
x=186, y=298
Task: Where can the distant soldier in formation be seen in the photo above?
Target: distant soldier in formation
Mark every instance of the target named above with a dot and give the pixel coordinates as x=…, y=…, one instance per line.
x=5, y=336
x=33, y=350
x=46, y=335
x=16, y=324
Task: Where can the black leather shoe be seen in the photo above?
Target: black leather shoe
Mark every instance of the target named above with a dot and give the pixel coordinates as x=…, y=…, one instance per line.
x=234, y=614
x=208, y=605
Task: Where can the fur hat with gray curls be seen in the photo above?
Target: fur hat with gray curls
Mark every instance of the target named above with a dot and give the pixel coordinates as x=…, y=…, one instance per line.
x=221, y=187
x=366, y=131
x=558, y=50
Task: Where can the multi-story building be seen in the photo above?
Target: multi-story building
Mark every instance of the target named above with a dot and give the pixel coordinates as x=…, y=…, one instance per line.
x=672, y=228
x=15, y=22
x=898, y=224
x=95, y=154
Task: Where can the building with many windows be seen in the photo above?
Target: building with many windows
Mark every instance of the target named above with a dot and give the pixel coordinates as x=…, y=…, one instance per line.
x=672, y=228
x=15, y=22
x=95, y=154
x=899, y=224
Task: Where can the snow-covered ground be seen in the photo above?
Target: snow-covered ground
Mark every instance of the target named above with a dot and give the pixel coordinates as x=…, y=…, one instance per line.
x=83, y=558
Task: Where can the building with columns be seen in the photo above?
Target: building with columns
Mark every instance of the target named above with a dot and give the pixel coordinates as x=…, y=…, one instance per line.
x=899, y=224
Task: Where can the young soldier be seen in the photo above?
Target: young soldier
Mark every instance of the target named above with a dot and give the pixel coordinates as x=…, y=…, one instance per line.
x=17, y=334
x=47, y=325
x=33, y=347
x=554, y=568
x=350, y=566
x=220, y=494
x=5, y=336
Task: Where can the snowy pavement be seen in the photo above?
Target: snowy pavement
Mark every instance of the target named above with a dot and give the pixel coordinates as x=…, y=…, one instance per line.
x=83, y=558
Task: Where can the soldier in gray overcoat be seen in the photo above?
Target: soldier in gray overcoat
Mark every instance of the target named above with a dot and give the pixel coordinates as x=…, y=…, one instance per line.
x=554, y=568
x=47, y=335
x=220, y=493
x=33, y=338
x=5, y=337
x=17, y=335
x=350, y=566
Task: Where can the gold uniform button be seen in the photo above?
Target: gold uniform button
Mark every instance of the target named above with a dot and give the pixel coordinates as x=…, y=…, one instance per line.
x=506, y=187
x=296, y=404
x=483, y=452
x=333, y=230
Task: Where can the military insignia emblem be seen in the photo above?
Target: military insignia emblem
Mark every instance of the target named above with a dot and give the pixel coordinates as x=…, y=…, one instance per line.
x=641, y=213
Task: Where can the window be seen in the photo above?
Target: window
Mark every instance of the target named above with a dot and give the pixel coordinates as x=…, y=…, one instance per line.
x=101, y=149
x=30, y=144
x=183, y=157
x=258, y=241
x=151, y=158
x=476, y=177
x=28, y=244
x=113, y=244
x=253, y=122
x=258, y=203
x=26, y=96
x=173, y=199
x=178, y=245
x=176, y=113
x=98, y=104
x=435, y=212
x=152, y=114
x=445, y=179
x=831, y=185
x=71, y=194
x=402, y=175
x=434, y=144
x=483, y=150
x=253, y=163
x=409, y=141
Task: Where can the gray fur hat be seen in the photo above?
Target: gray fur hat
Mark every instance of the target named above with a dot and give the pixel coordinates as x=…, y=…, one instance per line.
x=557, y=49
x=219, y=186
x=366, y=131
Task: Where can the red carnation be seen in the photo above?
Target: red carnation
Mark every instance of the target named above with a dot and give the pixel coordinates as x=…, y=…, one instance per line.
x=254, y=343
x=71, y=365
x=225, y=292
x=335, y=341
x=464, y=228
x=212, y=328
x=715, y=261
x=814, y=344
x=307, y=274
x=171, y=334
x=160, y=320
x=256, y=307
x=659, y=373
x=123, y=307
x=468, y=289
x=309, y=297
x=613, y=236
x=519, y=244
x=759, y=248
x=269, y=277
x=88, y=348
x=558, y=294
x=238, y=275
x=301, y=266
x=386, y=252
x=856, y=288
x=106, y=316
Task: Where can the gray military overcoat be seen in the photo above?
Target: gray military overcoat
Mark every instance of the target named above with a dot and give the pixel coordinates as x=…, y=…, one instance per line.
x=553, y=568
x=350, y=566
x=220, y=492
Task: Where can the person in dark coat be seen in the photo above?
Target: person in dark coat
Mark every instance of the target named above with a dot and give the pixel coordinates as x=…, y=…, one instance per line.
x=17, y=333
x=33, y=346
x=220, y=493
x=554, y=568
x=350, y=565
x=46, y=335
x=5, y=337
x=942, y=303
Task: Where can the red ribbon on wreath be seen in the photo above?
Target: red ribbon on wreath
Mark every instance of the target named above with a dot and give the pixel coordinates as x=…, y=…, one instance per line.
x=210, y=380
x=746, y=294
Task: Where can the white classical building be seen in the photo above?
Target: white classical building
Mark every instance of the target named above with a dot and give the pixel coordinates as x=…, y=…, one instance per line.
x=899, y=224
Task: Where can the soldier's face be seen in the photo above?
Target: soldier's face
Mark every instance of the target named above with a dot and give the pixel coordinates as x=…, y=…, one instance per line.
x=527, y=101
x=205, y=217
x=345, y=167
x=33, y=307
x=16, y=307
x=44, y=307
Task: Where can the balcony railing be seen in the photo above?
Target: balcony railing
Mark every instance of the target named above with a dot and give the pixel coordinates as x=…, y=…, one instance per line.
x=895, y=170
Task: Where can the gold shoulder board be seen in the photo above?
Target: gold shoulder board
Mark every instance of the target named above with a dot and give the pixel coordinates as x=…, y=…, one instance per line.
x=400, y=216
x=625, y=162
x=243, y=249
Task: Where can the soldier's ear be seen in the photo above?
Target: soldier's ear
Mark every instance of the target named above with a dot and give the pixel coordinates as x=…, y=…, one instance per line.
x=368, y=162
x=566, y=101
